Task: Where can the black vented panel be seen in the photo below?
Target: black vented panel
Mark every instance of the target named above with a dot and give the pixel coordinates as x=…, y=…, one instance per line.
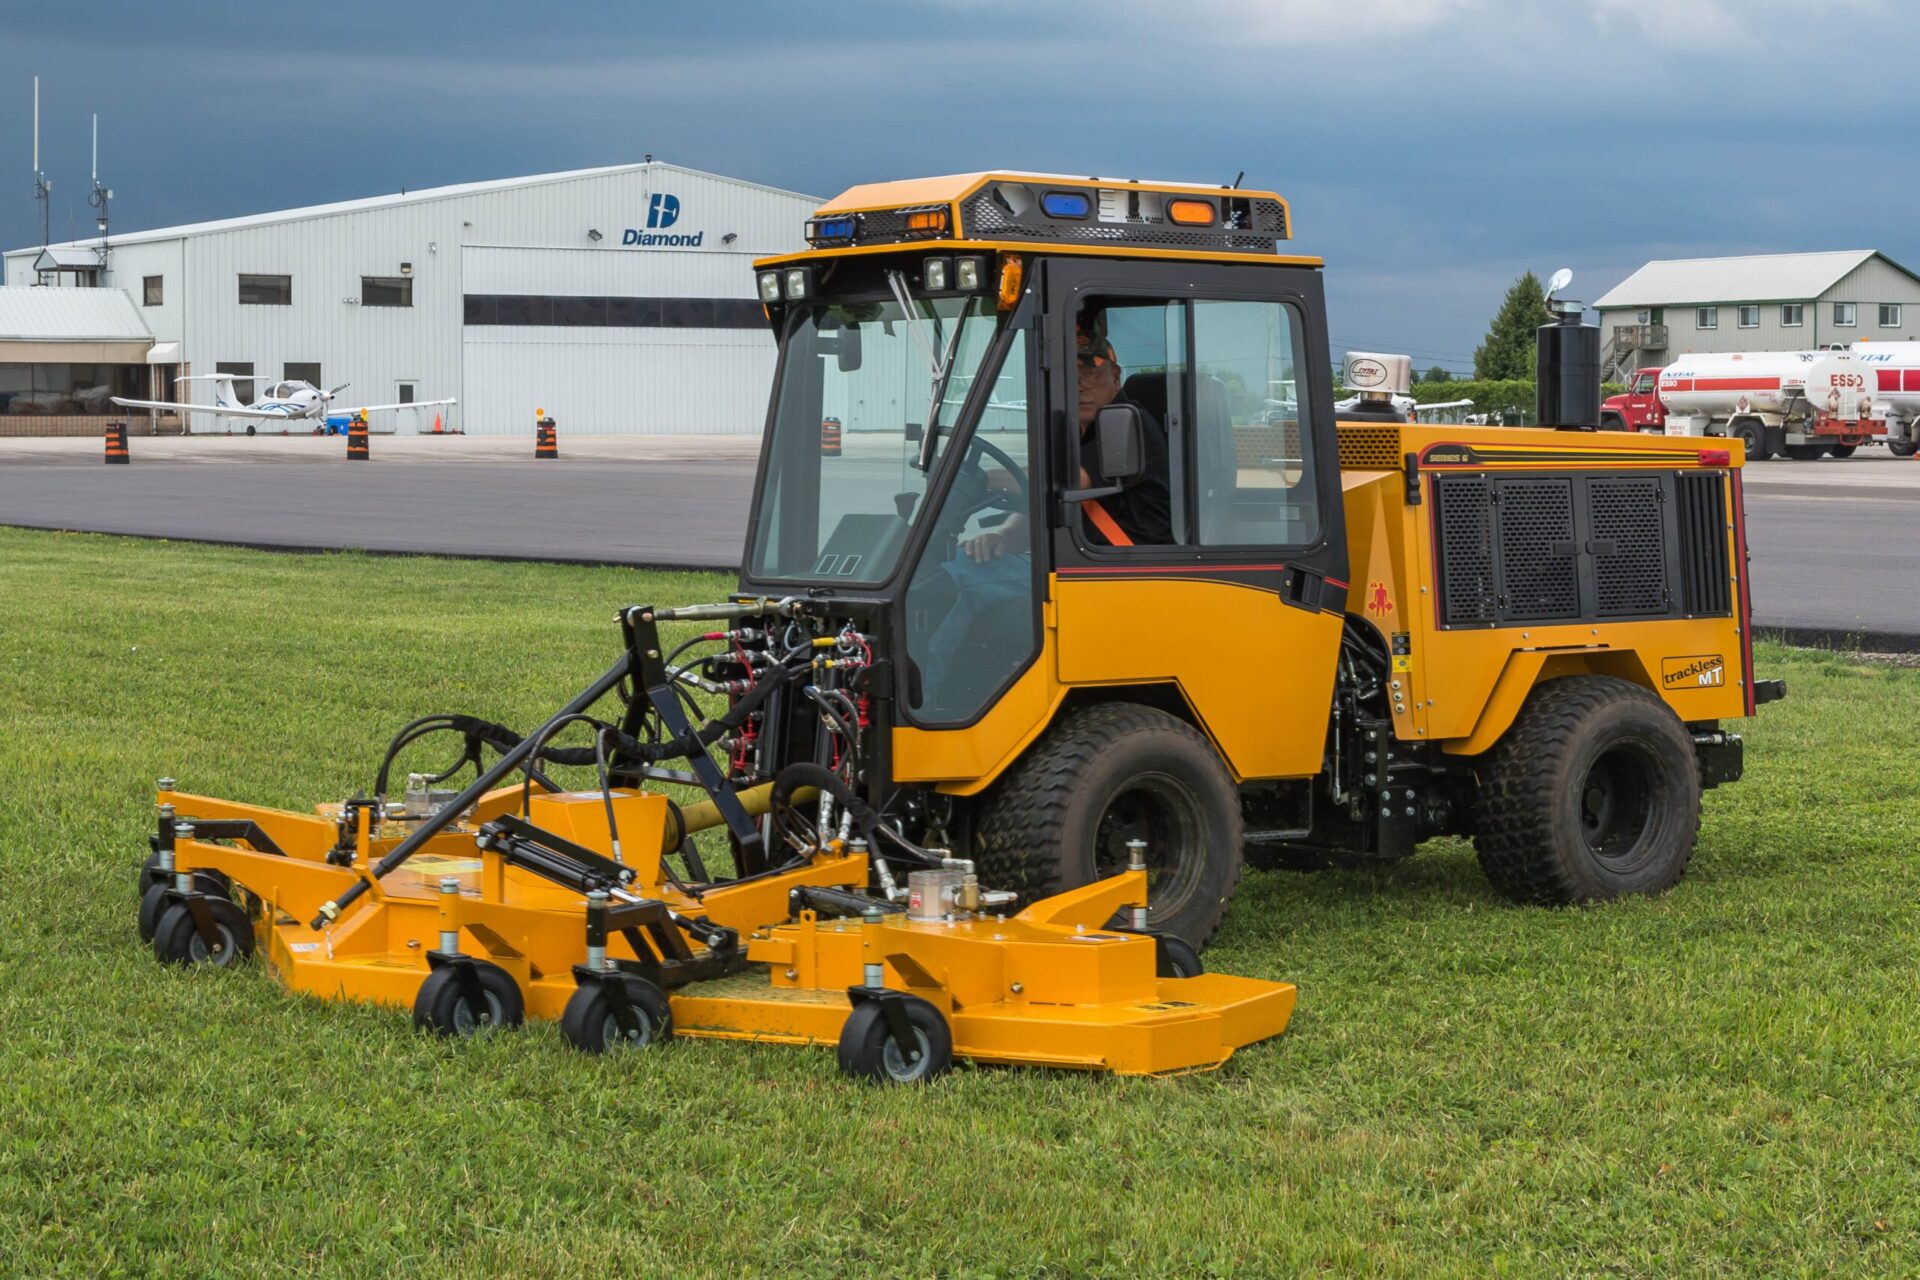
x=1538, y=581
x=1705, y=586
x=1628, y=543
x=1463, y=508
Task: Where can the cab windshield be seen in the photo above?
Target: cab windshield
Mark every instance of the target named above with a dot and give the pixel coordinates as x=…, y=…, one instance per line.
x=868, y=400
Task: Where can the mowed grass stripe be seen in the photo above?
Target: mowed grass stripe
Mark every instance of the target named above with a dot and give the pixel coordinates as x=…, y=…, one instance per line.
x=1717, y=1082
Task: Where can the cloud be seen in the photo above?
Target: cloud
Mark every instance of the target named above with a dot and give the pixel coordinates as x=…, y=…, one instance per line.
x=1720, y=24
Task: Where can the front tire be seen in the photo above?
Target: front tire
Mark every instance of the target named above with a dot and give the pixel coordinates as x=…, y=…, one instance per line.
x=1593, y=793
x=1903, y=448
x=1063, y=814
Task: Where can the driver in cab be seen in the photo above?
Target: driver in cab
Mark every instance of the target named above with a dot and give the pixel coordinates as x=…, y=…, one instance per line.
x=1141, y=514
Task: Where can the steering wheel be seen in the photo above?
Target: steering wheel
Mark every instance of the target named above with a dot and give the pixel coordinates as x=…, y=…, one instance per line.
x=994, y=498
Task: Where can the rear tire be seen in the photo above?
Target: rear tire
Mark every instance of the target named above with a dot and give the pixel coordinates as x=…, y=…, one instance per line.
x=1903, y=448
x=1593, y=793
x=1843, y=450
x=1063, y=813
x=1752, y=434
x=1805, y=452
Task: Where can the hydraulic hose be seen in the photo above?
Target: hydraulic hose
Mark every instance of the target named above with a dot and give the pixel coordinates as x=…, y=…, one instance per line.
x=480, y=786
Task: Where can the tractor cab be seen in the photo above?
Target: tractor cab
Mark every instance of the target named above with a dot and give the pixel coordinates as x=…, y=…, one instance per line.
x=1071, y=414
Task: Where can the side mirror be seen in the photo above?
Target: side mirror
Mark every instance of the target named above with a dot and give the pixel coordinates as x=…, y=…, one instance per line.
x=1120, y=439
x=848, y=354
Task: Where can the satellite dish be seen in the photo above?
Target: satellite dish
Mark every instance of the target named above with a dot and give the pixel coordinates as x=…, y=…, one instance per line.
x=1561, y=279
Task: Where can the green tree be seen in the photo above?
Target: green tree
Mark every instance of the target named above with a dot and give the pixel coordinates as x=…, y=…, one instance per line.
x=1438, y=373
x=1507, y=352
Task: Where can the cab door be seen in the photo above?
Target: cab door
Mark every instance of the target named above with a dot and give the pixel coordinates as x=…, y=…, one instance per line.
x=1237, y=601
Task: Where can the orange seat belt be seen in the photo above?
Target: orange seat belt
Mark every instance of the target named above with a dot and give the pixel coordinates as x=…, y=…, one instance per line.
x=1103, y=521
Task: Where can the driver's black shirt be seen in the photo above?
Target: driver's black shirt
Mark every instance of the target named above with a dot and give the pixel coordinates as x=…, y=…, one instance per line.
x=1144, y=508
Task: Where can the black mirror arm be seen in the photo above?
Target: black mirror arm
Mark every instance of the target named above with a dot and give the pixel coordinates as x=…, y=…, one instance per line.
x=1072, y=496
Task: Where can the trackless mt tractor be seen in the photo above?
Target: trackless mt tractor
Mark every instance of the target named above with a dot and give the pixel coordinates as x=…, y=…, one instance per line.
x=1063, y=596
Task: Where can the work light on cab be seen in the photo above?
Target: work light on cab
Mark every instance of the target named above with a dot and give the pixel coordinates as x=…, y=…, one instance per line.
x=769, y=286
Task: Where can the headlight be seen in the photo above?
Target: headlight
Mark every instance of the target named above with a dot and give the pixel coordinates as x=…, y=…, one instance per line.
x=969, y=272
x=796, y=283
x=769, y=286
x=934, y=275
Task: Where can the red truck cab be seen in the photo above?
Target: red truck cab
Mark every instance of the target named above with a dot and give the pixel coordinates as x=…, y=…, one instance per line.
x=1639, y=409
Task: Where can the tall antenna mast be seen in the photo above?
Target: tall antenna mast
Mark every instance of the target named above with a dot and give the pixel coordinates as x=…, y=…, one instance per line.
x=42, y=189
x=100, y=195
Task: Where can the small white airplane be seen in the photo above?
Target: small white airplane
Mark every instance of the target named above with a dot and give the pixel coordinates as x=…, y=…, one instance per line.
x=285, y=402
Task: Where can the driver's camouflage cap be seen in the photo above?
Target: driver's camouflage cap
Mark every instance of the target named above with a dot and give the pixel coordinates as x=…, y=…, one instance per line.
x=1090, y=339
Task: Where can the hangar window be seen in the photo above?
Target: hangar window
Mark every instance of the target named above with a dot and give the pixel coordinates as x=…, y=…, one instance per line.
x=594, y=311
x=152, y=291
x=1749, y=317
x=266, y=291
x=1844, y=315
x=1889, y=315
x=1706, y=317
x=386, y=291
x=1792, y=315
x=297, y=371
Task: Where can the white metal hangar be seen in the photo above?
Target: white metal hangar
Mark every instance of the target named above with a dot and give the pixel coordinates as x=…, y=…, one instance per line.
x=619, y=299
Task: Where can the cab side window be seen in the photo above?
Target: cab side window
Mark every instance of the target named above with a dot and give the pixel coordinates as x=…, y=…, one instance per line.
x=1253, y=462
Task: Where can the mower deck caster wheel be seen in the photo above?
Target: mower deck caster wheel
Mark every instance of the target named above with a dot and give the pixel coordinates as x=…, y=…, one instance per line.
x=151, y=874
x=591, y=1024
x=177, y=939
x=869, y=1051
x=445, y=1006
x=153, y=902
x=1177, y=959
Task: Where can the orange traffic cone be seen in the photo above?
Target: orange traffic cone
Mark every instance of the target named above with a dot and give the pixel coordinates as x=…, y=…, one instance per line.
x=117, y=443
x=436, y=425
x=546, y=439
x=357, y=439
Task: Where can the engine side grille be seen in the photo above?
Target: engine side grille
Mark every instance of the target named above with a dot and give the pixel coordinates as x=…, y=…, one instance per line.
x=1705, y=583
x=1628, y=544
x=1537, y=567
x=1464, y=512
x=1370, y=448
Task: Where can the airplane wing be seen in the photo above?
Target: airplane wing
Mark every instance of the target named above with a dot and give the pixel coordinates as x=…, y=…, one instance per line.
x=273, y=414
x=385, y=408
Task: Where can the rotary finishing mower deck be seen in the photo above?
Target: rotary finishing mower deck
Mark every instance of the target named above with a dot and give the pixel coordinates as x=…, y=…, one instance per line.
x=512, y=898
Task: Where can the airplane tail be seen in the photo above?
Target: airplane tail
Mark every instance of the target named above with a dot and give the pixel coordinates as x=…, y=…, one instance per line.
x=223, y=396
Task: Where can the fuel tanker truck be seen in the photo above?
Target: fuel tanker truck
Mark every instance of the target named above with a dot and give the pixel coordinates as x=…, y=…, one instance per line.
x=1896, y=390
x=1799, y=404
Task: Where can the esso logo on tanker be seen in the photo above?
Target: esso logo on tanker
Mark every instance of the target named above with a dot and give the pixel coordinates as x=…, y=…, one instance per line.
x=1848, y=381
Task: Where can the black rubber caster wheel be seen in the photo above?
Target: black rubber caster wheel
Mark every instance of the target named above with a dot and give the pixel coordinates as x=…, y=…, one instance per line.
x=590, y=1026
x=444, y=1007
x=177, y=940
x=153, y=903
x=1177, y=959
x=868, y=1050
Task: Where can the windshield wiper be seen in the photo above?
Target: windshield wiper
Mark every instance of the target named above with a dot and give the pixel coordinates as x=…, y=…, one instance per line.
x=939, y=366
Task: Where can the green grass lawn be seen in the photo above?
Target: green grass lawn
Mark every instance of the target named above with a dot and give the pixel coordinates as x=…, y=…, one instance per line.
x=1719, y=1082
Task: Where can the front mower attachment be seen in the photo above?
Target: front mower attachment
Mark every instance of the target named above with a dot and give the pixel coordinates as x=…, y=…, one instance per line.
x=509, y=900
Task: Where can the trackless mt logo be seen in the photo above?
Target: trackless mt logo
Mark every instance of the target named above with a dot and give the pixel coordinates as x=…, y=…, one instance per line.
x=662, y=212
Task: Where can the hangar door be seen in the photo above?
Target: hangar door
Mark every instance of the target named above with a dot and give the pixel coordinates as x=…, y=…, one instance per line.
x=613, y=342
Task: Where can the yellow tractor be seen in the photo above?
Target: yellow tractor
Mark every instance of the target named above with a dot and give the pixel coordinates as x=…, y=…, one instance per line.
x=1064, y=593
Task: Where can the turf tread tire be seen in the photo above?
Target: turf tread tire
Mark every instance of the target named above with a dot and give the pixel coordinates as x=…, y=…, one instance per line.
x=1029, y=808
x=1514, y=832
